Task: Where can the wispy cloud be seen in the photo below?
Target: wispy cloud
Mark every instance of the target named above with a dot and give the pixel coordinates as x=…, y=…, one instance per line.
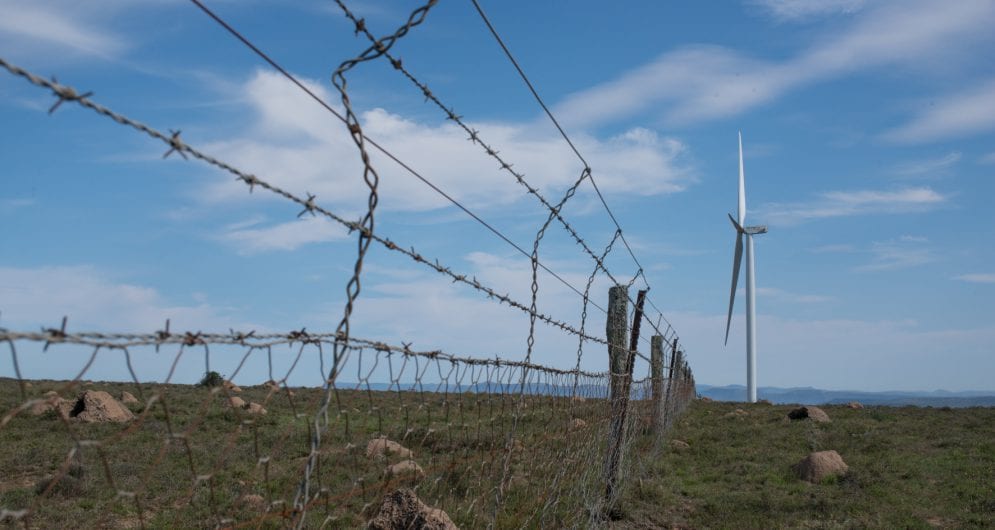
x=15, y=203
x=56, y=24
x=988, y=277
x=93, y=300
x=700, y=83
x=850, y=203
x=249, y=238
x=793, y=11
x=902, y=254
x=786, y=296
x=931, y=167
x=835, y=248
x=958, y=114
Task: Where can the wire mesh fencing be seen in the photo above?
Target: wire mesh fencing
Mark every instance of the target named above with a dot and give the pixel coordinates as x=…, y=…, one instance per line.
x=343, y=431
x=154, y=453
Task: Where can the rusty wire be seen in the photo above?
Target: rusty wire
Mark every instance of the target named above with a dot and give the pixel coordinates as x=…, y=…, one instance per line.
x=566, y=137
x=525, y=391
x=309, y=204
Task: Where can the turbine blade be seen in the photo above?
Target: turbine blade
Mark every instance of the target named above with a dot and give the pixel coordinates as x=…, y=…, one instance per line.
x=737, y=260
x=742, y=184
x=737, y=226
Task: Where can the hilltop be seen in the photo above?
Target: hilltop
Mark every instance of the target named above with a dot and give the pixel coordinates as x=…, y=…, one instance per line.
x=816, y=396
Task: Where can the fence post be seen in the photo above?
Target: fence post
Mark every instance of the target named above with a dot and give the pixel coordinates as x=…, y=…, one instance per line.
x=616, y=327
x=656, y=371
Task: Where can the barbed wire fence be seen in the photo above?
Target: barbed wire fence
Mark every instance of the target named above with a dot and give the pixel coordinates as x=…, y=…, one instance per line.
x=492, y=442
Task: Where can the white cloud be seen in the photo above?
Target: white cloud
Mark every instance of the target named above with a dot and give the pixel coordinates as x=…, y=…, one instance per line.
x=834, y=248
x=56, y=24
x=786, y=296
x=298, y=146
x=706, y=82
x=959, y=114
x=249, y=238
x=795, y=10
x=977, y=277
x=850, y=203
x=931, y=167
x=894, y=255
x=15, y=204
x=42, y=295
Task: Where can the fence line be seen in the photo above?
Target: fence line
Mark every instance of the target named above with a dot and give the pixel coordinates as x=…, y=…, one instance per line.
x=498, y=442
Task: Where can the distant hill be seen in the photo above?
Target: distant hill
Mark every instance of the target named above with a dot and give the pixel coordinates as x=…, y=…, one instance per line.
x=816, y=396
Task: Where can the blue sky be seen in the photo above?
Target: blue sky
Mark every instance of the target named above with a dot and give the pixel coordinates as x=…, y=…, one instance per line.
x=868, y=130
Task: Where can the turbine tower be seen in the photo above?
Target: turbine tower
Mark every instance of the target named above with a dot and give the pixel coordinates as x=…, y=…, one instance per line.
x=751, y=320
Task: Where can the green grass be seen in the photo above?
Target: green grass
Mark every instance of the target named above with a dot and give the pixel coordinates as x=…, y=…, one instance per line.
x=458, y=439
x=909, y=468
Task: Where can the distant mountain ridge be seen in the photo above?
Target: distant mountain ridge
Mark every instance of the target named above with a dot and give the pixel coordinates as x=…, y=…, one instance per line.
x=816, y=396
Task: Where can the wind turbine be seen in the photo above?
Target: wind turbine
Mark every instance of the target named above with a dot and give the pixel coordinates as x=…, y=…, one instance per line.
x=751, y=320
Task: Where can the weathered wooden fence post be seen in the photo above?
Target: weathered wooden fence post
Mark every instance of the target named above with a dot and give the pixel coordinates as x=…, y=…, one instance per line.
x=669, y=405
x=616, y=328
x=656, y=373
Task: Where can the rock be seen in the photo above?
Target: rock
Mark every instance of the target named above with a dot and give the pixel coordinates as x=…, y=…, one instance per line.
x=236, y=402
x=680, y=445
x=706, y=399
x=819, y=465
x=128, y=397
x=99, y=406
x=382, y=447
x=255, y=409
x=52, y=401
x=854, y=405
x=764, y=402
x=577, y=423
x=252, y=501
x=406, y=468
x=403, y=509
x=814, y=413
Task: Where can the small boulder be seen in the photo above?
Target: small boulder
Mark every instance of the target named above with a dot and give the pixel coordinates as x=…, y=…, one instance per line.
x=854, y=405
x=813, y=413
x=255, y=409
x=403, y=509
x=706, y=399
x=406, y=468
x=99, y=406
x=679, y=445
x=577, y=424
x=764, y=402
x=382, y=446
x=52, y=401
x=819, y=465
x=128, y=398
x=252, y=501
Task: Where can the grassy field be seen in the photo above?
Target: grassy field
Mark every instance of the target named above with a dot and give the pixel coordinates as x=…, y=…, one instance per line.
x=190, y=461
x=908, y=468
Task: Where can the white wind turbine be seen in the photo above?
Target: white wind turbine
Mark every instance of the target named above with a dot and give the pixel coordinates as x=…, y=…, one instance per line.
x=751, y=320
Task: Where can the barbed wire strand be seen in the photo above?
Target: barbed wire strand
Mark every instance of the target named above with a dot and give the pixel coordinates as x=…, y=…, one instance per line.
x=566, y=137
x=410, y=170
x=177, y=145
